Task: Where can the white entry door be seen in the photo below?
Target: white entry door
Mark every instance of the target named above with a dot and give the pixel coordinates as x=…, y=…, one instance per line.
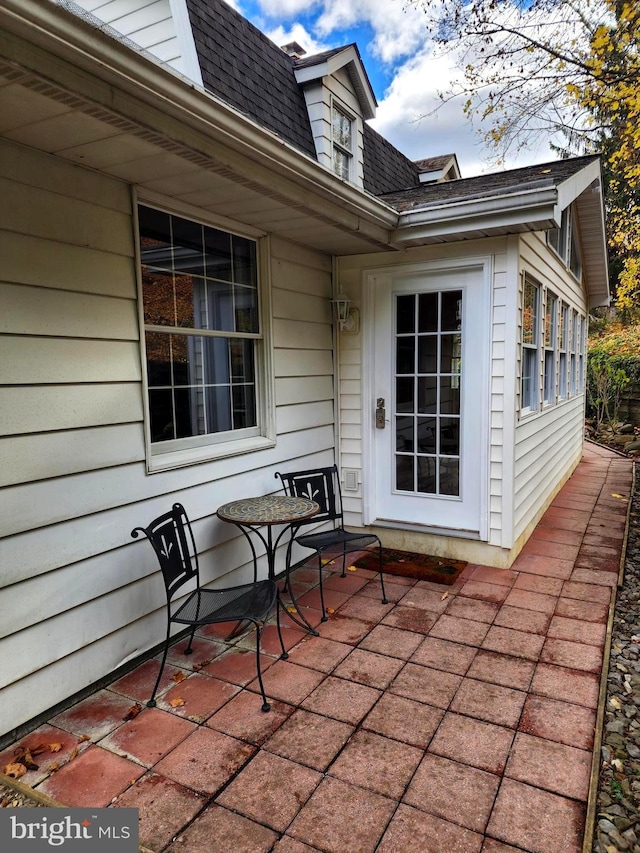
x=430, y=420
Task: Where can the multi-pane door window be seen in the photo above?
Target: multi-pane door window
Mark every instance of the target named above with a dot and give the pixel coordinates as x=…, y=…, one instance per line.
x=342, y=137
x=202, y=330
x=530, y=346
x=550, y=344
x=428, y=369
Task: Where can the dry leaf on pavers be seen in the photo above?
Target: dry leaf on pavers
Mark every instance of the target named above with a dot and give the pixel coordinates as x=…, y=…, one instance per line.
x=73, y=753
x=444, y=595
x=614, y=495
x=83, y=738
x=15, y=770
x=133, y=712
x=291, y=609
x=178, y=677
x=352, y=569
x=198, y=666
x=330, y=610
x=177, y=702
x=53, y=767
x=55, y=747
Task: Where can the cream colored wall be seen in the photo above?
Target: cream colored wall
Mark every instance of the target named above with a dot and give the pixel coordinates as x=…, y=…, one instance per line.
x=548, y=444
x=80, y=598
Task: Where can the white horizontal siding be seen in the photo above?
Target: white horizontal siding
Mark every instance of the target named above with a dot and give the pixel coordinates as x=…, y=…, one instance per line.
x=75, y=586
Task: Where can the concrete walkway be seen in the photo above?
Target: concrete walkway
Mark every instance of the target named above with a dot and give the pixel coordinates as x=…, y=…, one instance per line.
x=452, y=720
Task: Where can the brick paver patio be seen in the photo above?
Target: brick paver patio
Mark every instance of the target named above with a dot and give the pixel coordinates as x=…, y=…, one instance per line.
x=453, y=720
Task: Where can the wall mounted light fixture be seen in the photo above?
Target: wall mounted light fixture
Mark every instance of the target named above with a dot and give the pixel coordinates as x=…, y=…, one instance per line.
x=348, y=318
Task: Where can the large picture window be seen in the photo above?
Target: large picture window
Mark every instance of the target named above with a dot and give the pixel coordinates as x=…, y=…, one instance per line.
x=202, y=331
x=530, y=347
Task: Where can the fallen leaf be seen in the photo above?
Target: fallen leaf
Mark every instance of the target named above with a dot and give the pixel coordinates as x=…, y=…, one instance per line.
x=15, y=770
x=24, y=756
x=198, y=666
x=133, y=712
x=178, y=677
x=352, y=569
x=177, y=703
x=55, y=747
x=83, y=738
x=330, y=610
x=73, y=753
x=444, y=595
x=291, y=609
x=616, y=495
x=53, y=767
x=39, y=749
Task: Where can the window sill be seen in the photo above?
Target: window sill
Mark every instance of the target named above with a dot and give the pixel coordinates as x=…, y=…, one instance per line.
x=207, y=453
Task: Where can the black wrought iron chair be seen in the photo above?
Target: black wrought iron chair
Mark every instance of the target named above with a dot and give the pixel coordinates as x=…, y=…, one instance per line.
x=322, y=485
x=173, y=542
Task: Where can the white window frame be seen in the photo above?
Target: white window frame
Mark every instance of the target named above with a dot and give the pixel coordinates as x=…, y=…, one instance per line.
x=530, y=351
x=573, y=353
x=550, y=347
x=565, y=243
x=348, y=152
x=582, y=352
x=563, y=335
x=175, y=453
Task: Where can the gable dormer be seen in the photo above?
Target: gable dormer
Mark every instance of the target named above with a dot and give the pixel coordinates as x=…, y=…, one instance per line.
x=339, y=100
x=437, y=169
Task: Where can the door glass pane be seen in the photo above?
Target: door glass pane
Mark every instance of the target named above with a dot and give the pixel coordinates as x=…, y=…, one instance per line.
x=427, y=394
x=404, y=435
x=404, y=473
x=428, y=312
x=427, y=467
x=404, y=394
x=405, y=314
x=451, y=311
x=405, y=354
x=427, y=446
x=428, y=354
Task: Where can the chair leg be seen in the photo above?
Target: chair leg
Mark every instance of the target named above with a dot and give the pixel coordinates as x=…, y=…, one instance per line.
x=285, y=653
x=152, y=702
x=265, y=705
x=344, y=564
x=384, y=595
x=189, y=650
x=324, y=612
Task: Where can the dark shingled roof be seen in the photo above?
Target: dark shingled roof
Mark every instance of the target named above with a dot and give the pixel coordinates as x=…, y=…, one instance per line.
x=244, y=68
x=431, y=163
x=496, y=183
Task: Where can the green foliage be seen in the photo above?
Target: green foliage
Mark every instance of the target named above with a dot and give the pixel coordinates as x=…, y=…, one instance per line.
x=613, y=363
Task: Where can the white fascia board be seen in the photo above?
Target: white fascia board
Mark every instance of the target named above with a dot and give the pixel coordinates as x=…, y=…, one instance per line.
x=571, y=188
x=535, y=209
x=115, y=63
x=347, y=57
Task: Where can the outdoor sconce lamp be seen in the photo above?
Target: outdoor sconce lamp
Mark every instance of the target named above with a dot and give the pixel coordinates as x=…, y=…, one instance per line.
x=348, y=318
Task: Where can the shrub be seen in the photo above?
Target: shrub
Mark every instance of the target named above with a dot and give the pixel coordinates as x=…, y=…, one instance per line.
x=613, y=363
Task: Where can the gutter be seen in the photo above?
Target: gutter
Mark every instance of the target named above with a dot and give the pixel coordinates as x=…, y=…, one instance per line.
x=112, y=60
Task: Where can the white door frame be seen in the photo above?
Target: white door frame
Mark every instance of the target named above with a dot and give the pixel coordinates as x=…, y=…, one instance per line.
x=484, y=264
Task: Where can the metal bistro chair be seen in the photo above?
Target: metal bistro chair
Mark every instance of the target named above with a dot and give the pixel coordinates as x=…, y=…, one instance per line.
x=323, y=486
x=172, y=539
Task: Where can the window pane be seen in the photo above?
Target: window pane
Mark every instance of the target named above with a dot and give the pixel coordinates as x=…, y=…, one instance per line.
x=220, y=299
x=404, y=473
x=217, y=247
x=187, y=246
x=427, y=394
x=449, y=477
x=530, y=313
x=405, y=314
x=242, y=362
x=427, y=312
x=158, y=359
x=244, y=407
x=449, y=395
x=405, y=355
x=341, y=129
x=428, y=354
x=341, y=164
x=451, y=355
x=155, y=238
x=404, y=434
x=158, y=298
x=404, y=394
x=550, y=320
x=427, y=467
x=161, y=414
x=426, y=435
x=450, y=436
x=244, y=261
x=451, y=311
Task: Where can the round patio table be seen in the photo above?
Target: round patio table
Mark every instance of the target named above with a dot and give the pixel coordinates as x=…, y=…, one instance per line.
x=258, y=516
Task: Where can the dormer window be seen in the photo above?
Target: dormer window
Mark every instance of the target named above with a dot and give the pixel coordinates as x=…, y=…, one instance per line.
x=342, y=138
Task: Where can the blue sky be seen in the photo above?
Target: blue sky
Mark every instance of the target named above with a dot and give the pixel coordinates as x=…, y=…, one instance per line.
x=405, y=72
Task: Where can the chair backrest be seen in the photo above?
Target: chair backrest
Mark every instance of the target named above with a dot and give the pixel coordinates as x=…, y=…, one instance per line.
x=321, y=485
x=172, y=540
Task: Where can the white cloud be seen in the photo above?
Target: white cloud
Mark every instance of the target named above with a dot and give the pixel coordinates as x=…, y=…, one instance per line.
x=297, y=33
